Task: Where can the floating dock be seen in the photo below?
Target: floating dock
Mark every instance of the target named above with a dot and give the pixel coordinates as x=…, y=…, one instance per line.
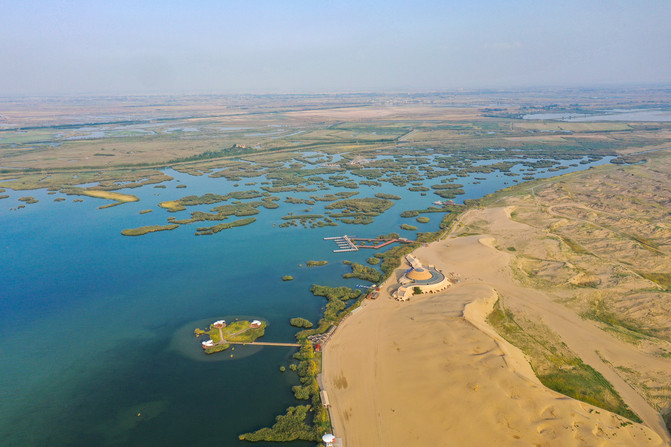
x=344, y=243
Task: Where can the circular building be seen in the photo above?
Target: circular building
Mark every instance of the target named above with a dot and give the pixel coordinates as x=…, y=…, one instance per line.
x=419, y=274
x=420, y=279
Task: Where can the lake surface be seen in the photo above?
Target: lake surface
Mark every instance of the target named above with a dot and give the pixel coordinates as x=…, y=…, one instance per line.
x=97, y=337
x=609, y=115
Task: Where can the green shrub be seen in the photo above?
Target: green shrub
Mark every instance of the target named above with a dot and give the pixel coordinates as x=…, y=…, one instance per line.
x=290, y=426
x=381, y=195
x=363, y=272
x=301, y=322
x=316, y=263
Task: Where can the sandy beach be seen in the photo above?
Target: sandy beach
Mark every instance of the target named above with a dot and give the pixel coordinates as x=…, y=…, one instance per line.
x=432, y=372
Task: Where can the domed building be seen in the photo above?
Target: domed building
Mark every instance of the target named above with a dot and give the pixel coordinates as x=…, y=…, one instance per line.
x=420, y=279
x=419, y=274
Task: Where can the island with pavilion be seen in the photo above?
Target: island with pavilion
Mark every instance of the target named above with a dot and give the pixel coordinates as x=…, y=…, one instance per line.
x=222, y=335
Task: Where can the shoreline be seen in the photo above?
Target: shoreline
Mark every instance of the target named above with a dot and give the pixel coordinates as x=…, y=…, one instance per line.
x=362, y=360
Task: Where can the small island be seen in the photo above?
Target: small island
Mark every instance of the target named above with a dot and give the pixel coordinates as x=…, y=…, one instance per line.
x=301, y=322
x=222, y=334
x=29, y=200
x=316, y=263
x=148, y=229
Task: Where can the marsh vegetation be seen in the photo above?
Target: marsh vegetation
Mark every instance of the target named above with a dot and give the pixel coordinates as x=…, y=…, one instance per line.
x=148, y=229
x=555, y=365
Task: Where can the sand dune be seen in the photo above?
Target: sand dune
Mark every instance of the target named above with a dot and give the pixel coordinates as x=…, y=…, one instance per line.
x=431, y=372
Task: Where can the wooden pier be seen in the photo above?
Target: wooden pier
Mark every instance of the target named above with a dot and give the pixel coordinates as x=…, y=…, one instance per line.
x=264, y=343
x=344, y=243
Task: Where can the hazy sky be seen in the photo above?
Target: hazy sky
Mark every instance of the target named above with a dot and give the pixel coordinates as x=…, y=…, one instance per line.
x=266, y=46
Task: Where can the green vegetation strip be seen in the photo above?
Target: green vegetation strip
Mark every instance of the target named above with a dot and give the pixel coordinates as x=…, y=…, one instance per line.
x=363, y=272
x=224, y=226
x=208, y=199
x=614, y=323
x=303, y=216
x=381, y=195
x=296, y=423
x=661, y=279
x=148, y=229
x=372, y=205
x=555, y=365
x=290, y=426
x=316, y=263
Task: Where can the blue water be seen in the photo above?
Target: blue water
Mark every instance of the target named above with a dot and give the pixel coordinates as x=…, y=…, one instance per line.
x=96, y=327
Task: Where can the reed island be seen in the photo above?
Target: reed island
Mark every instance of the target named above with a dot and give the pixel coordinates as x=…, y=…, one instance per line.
x=222, y=335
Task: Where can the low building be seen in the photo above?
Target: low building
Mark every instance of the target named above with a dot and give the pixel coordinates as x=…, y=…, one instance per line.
x=255, y=324
x=325, y=398
x=419, y=279
x=208, y=344
x=219, y=324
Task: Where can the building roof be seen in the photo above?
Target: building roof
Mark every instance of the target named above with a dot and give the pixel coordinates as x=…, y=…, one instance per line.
x=419, y=274
x=328, y=437
x=325, y=398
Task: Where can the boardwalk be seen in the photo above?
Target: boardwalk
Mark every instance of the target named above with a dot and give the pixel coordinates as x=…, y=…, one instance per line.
x=264, y=343
x=259, y=343
x=382, y=242
x=346, y=243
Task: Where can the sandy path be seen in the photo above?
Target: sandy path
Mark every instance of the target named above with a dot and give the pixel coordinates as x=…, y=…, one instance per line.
x=418, y=373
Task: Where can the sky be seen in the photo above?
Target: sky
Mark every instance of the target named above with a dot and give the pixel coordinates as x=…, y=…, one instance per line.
x=125, y=47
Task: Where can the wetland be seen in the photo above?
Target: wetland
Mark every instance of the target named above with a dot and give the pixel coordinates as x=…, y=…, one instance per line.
x=278, y=182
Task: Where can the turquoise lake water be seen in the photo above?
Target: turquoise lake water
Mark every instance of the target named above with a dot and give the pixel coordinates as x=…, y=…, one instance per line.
x=98, y=328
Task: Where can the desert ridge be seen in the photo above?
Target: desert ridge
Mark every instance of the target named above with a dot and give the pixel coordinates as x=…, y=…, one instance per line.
x=432, y=372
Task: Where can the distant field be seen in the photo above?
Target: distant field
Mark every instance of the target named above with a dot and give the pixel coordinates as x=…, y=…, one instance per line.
x=558, y=126
x=195, y=134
